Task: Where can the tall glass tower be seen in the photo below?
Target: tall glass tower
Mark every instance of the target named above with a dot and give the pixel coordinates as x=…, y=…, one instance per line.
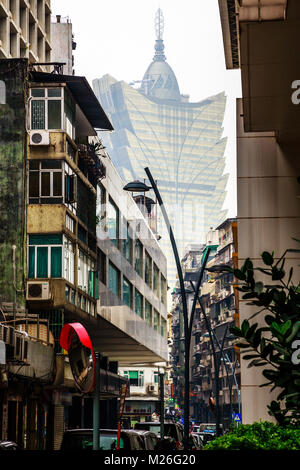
x=180, y=142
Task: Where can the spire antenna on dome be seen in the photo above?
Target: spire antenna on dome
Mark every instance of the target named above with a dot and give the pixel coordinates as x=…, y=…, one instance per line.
x=159, y=24
x=159, y=31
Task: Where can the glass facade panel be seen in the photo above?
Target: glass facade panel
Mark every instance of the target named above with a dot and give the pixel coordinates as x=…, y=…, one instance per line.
x=156, y=320
x=148, y=313
x=139, y=258
x=126, y=241
x=113, y=279
x=148, y=270
x=155, y=279
x=163, y=289
x=163, y=327
x=127, y=292
x=113, y=222
x=139, y=304
x=182, y=143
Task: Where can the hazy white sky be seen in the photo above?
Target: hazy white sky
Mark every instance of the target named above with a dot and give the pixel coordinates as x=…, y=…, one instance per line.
x=118, y=36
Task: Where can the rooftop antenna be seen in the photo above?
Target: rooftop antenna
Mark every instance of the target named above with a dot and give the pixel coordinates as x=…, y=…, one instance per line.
x=159, y=31
x=159, y=24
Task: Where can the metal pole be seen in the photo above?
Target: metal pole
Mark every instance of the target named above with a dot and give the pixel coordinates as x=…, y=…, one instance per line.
x=215, y=362
x=184, y=306
x=14, y=283
x=162, y=405
x=96, y=404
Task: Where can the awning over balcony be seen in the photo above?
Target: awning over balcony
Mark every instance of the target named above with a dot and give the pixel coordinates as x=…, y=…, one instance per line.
x=83, y=94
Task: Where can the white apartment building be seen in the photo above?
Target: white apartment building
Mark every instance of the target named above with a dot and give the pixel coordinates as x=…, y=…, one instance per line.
x=25, y=28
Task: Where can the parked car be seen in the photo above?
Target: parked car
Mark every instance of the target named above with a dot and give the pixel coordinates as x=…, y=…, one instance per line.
x=82, y=439
x=150, y=439
x=208, y=432
x=195, y=428
x=8, y=445
x=173, y=431
x=198, y=439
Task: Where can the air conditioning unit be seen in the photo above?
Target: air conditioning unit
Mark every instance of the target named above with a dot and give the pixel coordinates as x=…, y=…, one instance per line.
x=38, y=290
x=152, y=388
x=39, y=138
x=18, y=347
x=7, y=334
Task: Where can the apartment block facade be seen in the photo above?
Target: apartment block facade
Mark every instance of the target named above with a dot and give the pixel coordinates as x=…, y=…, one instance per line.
x=77, y=249
x=218, y=300
x=25, y=30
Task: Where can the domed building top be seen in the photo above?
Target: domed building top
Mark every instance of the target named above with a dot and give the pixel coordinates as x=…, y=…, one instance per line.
x=159, y=80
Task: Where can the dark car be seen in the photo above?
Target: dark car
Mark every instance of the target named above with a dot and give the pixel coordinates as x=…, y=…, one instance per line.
x=82, y=439
x=8, y=445
x=150, y=439
x=173, y=431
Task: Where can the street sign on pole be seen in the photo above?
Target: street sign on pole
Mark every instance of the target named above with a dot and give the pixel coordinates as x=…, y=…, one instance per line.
x=237, y=418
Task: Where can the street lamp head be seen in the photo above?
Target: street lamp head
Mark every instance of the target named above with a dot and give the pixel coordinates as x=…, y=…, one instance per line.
x=136, y=187
x=219, y=268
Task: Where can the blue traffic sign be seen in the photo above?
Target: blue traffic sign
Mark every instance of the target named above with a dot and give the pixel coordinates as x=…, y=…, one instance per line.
x=237, y=417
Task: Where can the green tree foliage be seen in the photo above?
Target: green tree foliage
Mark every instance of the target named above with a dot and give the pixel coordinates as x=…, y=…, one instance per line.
x=273, y=346
x=258, y=436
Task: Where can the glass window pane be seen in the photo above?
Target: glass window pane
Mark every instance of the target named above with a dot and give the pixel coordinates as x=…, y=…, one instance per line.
x=38, y=114
x=163, y=327
x=138, y=257
x=38, y=92
x=54, y=114
x=57, y=183
x=45, y=189
x=56, y=261
x=113, y=279
x=163, y=289
x=148, y=315
x=42, y=262
x=45, y=239
x=34, y=164
x=155, y=279
x=34, y=184
x=127, y=292
x=31, y=262
x=156, y=320
x=54, y=92
x=49, y=164
x=148, y=270
x=133, y=374
x=113, y=222
x=138, y=304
